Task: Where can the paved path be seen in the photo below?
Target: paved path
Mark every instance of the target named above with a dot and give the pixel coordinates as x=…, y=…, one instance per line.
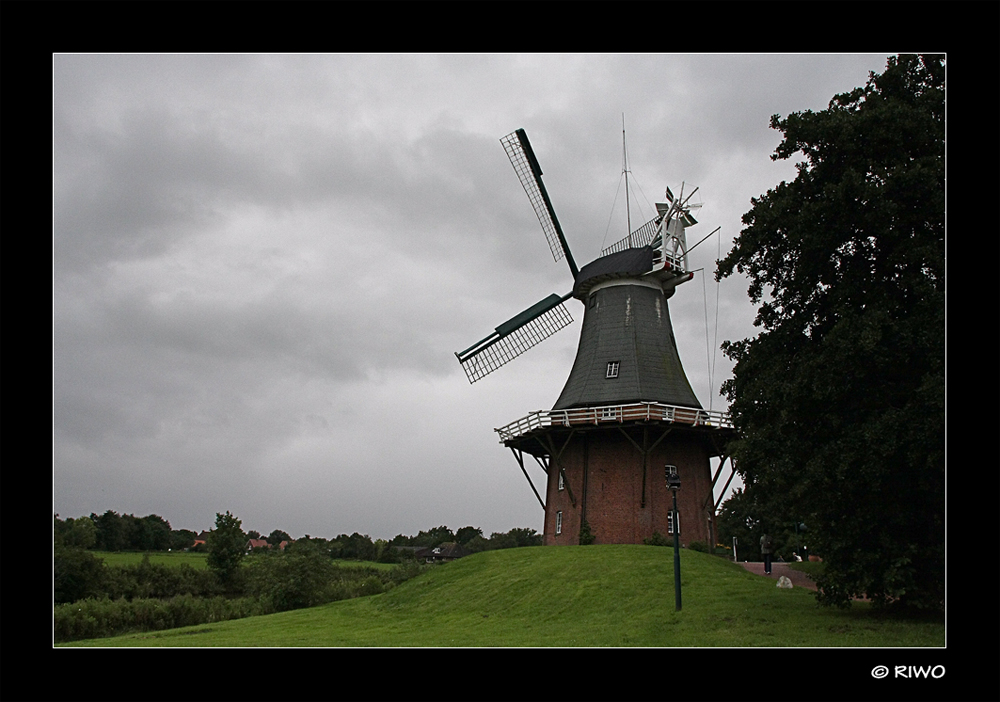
x=798, y=578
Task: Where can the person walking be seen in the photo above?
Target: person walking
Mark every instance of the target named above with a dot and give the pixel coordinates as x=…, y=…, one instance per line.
x=766, y=546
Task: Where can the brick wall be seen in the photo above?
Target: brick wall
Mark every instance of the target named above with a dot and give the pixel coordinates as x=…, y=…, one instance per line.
x=605, y=476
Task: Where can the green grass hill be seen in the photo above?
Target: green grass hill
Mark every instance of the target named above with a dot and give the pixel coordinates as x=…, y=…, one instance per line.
x=566, y=596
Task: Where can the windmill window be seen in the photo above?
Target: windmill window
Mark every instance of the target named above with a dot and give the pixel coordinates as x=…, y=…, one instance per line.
x=613, y=369
x=562, y=481
x=670, y=524
x=558, y=522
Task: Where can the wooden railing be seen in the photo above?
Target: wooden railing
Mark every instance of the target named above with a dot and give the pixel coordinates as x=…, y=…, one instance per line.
x=611, y=414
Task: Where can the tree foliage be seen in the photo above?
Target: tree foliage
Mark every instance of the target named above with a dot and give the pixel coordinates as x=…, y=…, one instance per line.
x=467, y=534
x=277, y=536
x=294, y=579
x=74, y=533
x=226, y=547
x=839, y=399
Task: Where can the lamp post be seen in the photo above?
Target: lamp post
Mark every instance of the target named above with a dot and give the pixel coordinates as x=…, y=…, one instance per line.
x=674, y=484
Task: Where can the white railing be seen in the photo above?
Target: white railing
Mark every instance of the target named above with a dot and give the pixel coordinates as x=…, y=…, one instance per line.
x=614, y=414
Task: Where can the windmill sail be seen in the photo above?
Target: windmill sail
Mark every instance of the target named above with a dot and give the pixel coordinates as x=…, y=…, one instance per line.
x=528, y=171
x=515, y=336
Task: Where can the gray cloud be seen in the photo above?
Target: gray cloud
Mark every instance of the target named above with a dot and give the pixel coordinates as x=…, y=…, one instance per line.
x=263, y=265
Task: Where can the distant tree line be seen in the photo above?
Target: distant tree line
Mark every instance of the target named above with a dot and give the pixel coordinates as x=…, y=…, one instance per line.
x=122, y=532
x=126, y=532
x=471, y=538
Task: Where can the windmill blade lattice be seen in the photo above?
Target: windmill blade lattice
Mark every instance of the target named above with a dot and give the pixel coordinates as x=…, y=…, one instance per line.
x=515, y=336
x=522, y=158
x=639, y=238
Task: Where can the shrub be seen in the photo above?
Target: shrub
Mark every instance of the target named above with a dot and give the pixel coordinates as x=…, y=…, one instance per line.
x=96, y=618
x=658, y=539
x=77, y=574
x=291, y=580
x=146, y=579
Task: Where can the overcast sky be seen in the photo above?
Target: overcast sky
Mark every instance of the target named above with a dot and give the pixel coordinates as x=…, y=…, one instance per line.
x=264, y=264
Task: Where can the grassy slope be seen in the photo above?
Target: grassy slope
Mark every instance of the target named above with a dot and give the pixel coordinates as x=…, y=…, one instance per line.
x=565, y=596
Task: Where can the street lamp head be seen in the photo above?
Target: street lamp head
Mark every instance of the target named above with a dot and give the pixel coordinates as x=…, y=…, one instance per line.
x=673, y=480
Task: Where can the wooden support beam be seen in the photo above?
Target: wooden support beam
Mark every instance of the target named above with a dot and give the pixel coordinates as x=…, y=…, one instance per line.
x=732, y=465
x=519, y=455
x=711, y=495
x=645, y=450
x=718, y=470
x=556, y=456
x=540, y=462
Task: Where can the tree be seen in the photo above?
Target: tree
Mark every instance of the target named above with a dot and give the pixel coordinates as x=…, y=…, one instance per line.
x=356, y=546
x=76, y=574
x=181, y=539
x=277, y=536
x=156, y=533
x=226, y=544
x=477, y=544
x=434, y=537
x=467, y=533
x=75, y=533
x=839, y=399
x=515, y=538
x=110, y=533
x=295, y=578
x=386, y=552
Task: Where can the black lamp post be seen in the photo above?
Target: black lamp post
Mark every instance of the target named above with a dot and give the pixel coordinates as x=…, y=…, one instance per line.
x=674, y=483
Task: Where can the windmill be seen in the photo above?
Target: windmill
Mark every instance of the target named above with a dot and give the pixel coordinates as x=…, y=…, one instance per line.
x=627, y=411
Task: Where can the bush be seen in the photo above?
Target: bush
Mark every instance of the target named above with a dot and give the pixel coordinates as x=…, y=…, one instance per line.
x=77, y=574
x=699, y=546
x=658, y=539
x=145, y=580
x=96, y=618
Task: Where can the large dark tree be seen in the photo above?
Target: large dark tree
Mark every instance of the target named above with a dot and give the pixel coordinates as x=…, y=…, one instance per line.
x=839, y=399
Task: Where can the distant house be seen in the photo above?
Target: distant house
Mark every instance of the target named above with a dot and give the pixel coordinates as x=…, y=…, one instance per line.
x=262, y=543
x=202, y=539
x=448, y=551
x=443, y=553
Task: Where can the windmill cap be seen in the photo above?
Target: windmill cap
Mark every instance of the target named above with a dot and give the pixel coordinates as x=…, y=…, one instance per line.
x=629, y=263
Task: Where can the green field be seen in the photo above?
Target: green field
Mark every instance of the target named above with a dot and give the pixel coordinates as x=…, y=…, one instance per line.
x=122, y=558
x=197, y=560
x=566, y=596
